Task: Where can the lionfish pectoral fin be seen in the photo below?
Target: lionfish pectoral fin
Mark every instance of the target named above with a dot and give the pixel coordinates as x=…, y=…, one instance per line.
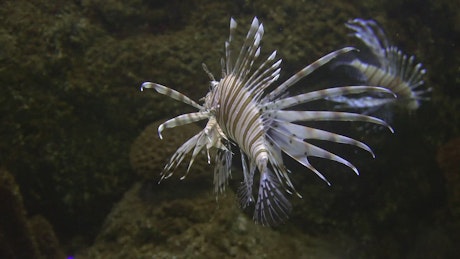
x=300, y=154
x=178, y=157
x=199, y=145
x=272, y=207
x=299, y=148
x=290, y=116
x=222, y=171
x=303, y=132
x=182, y=120
x=304, y=161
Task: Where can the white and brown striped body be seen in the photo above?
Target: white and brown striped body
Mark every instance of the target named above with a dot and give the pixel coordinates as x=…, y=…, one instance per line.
x=242, y=112
x=239, y=117
x=380, y=77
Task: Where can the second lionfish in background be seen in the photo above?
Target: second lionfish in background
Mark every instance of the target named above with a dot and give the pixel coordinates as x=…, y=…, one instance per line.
x=387, y=67
x=247, y=110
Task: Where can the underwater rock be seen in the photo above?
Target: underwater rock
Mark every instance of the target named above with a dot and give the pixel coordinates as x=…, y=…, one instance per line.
x=19, y=236
x=16, y=239
x=448, y=158
x=46, y=239
x=184, y=224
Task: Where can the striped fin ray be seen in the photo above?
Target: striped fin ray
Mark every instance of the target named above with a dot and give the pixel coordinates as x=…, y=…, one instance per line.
x=416, y=74
x=272, y=207
x=228, y=48
x=210, y=137
x=301, y=150
x=264, y=76
x=182, y=120
x=304, y=132
x=325, y=93
x=301, y=159
x=179, y=156
x=205, y=138
x=200, y=144
x=304, y=72
x=250, y=50
x=171, y=93
x=405, y=67
x=290, y=116
x=360, y=102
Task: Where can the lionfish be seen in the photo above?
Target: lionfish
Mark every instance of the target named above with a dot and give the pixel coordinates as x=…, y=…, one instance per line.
x=241, y=111
x=387, y=67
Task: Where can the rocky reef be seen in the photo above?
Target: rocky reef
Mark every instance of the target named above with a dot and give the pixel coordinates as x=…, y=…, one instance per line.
x=448, y=158
x=72, y=112
x=21, y=236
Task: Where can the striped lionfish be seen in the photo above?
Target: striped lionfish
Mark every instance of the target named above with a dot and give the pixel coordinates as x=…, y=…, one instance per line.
x=241, y=111
x=388, y=68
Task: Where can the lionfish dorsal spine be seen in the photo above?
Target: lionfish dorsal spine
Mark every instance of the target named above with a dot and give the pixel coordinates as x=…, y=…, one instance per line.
x=305, y=72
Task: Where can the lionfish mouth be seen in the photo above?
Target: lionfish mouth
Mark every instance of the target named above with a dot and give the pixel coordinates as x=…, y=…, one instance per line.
x=240, y=110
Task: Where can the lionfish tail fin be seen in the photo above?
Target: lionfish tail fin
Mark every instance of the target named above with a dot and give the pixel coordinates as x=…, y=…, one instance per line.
x=405, y=66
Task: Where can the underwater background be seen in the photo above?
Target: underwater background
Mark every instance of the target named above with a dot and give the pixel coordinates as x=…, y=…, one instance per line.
x=80, y=158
